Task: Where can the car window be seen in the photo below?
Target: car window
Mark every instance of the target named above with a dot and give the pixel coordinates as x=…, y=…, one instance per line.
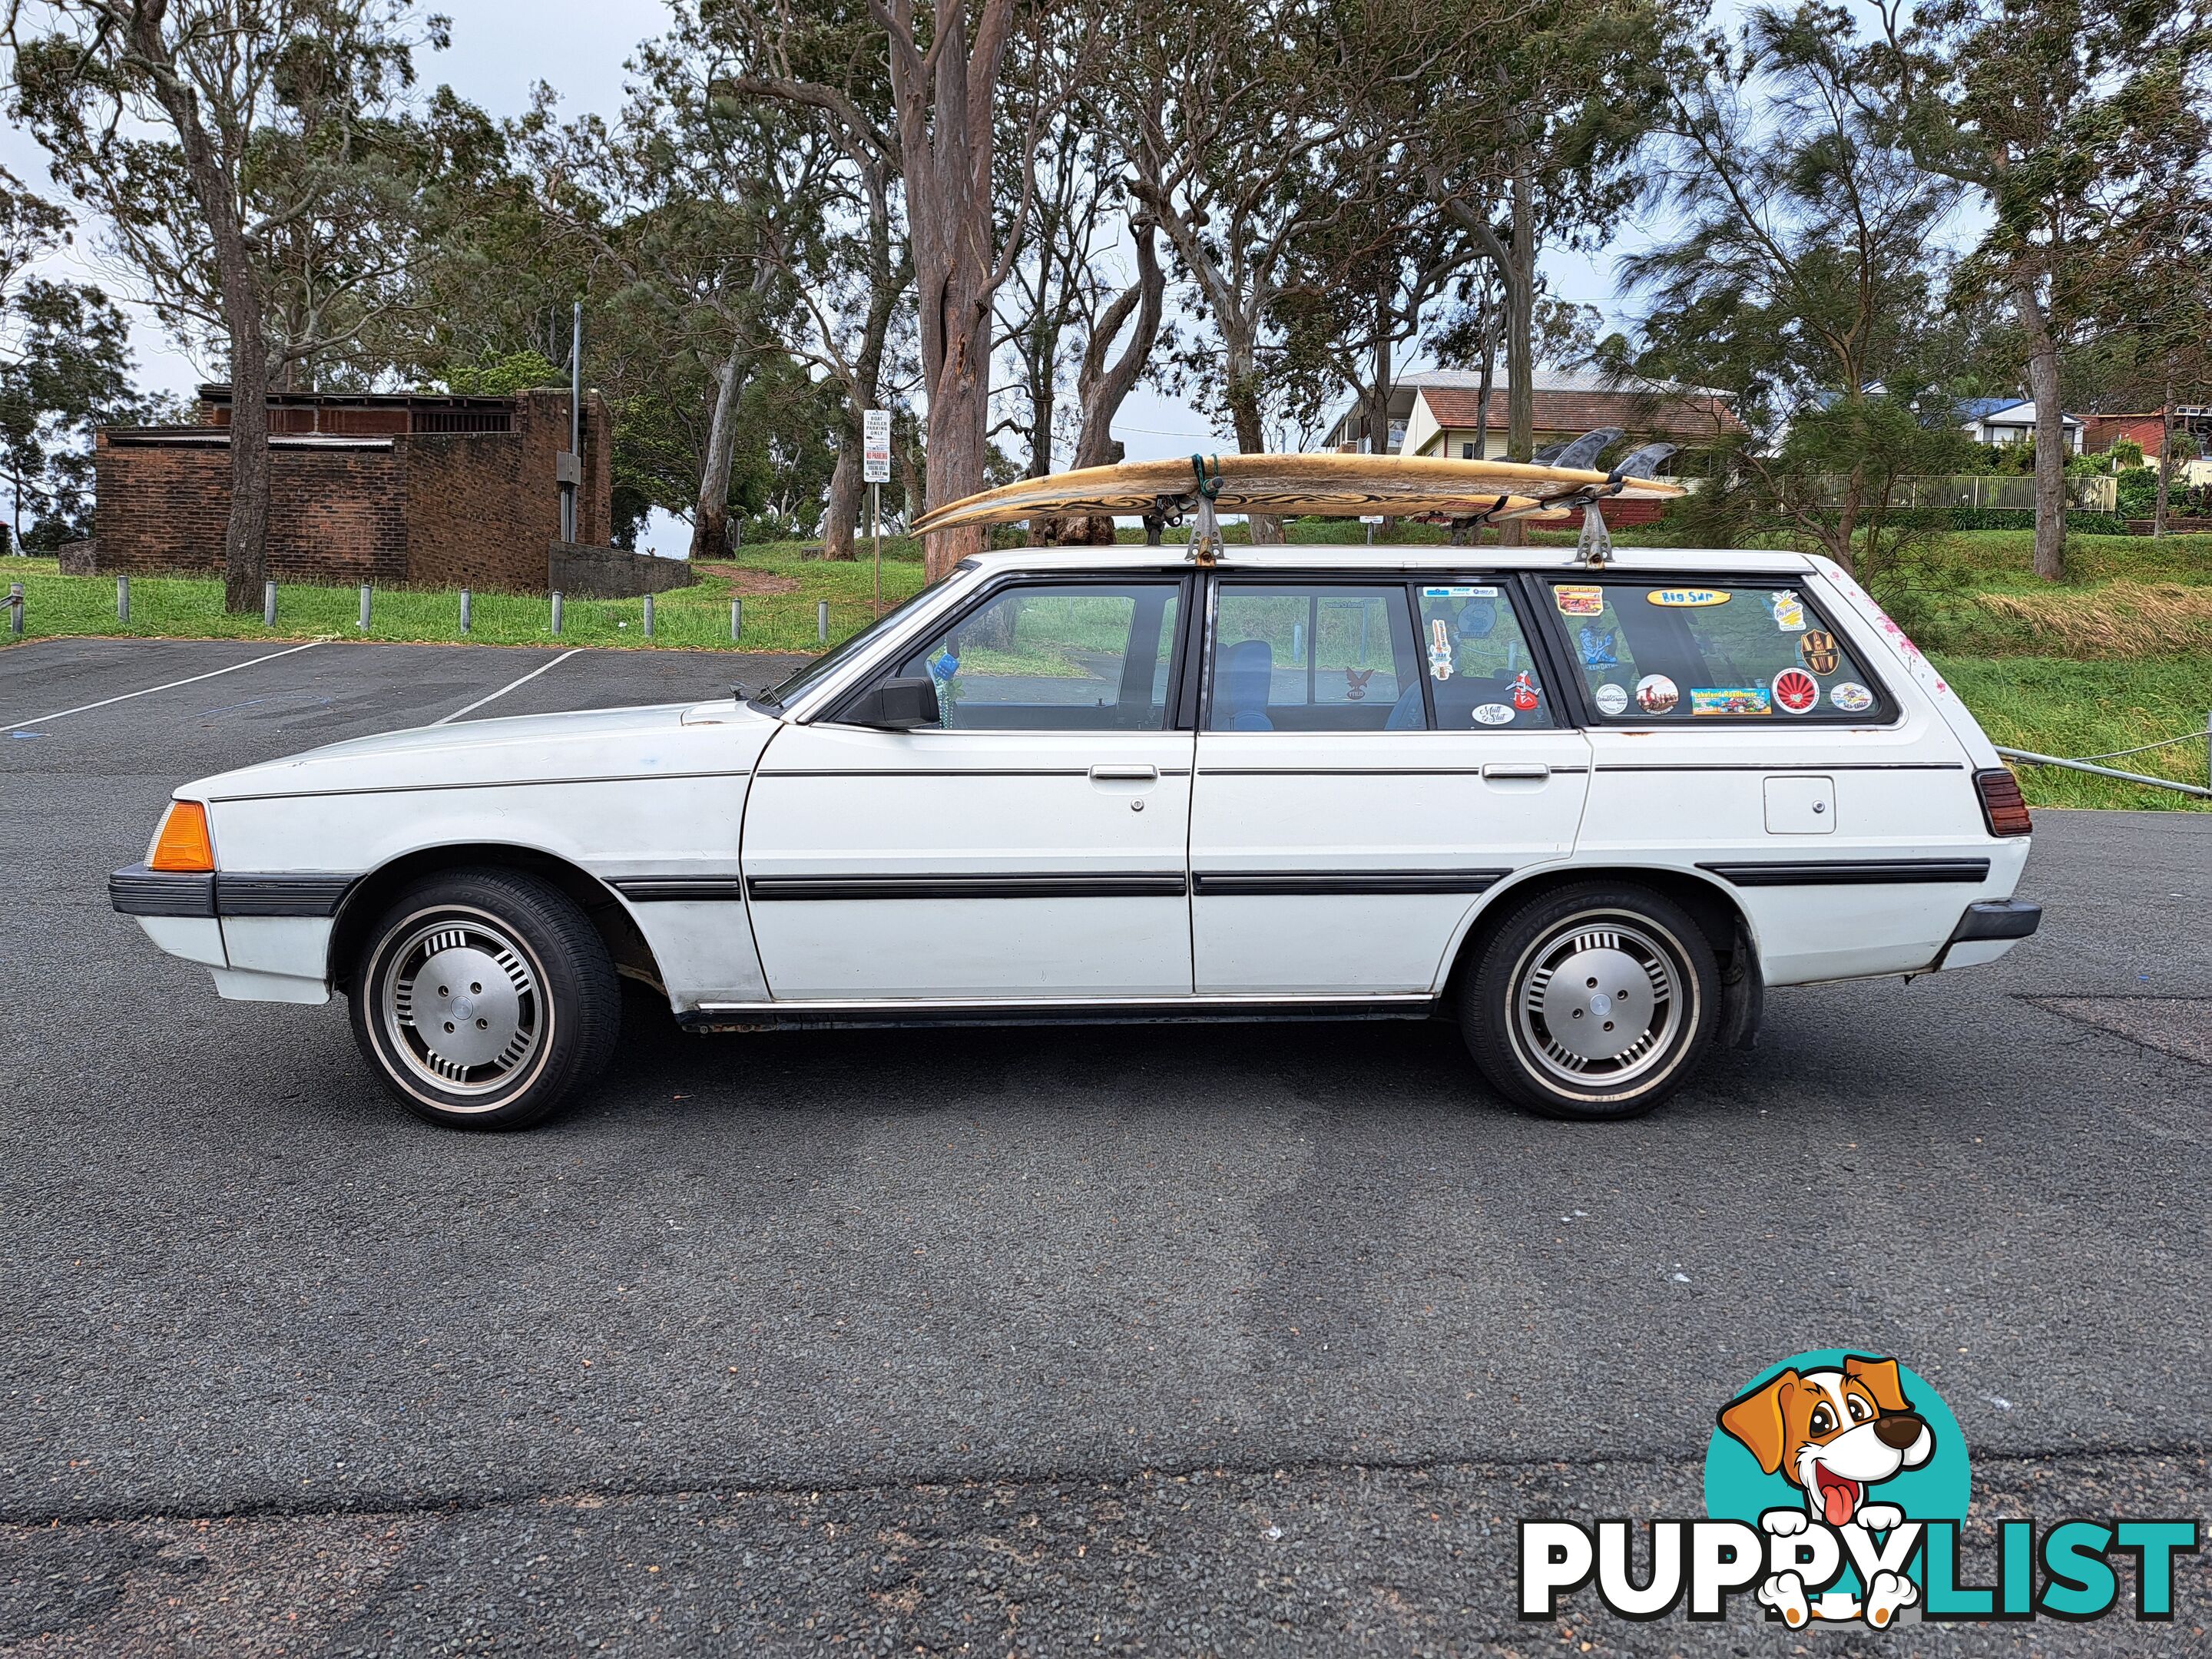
x=1069, y=657
x=1314, y=657
x=1653, y=652
x=1480, y=671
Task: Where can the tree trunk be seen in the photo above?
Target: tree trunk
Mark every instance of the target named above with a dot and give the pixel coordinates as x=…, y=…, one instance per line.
x=845, y=492
x=246, y=530
x=946, y=101
x=710, y=521
x=2049, y=434
x=2164, y=460
x=1242, y=394
x=1521, y=334
x=1378, y=400
x=1100, y=389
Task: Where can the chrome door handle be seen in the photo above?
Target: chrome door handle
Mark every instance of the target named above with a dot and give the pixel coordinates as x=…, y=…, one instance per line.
x=1125, y=773
x=1515, y=769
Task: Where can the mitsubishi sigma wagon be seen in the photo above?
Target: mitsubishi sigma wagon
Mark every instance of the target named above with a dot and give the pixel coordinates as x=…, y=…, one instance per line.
x=1588, y=813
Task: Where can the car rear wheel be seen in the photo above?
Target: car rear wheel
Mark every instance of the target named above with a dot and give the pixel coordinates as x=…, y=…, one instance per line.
x=1592, y=1002
x=485, y=999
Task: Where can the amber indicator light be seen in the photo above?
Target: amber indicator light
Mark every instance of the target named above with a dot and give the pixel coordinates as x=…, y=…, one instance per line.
x=184, y=842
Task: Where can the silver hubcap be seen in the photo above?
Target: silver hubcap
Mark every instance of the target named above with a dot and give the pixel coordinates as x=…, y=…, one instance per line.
x=1597, y=1002
x=462, y=1004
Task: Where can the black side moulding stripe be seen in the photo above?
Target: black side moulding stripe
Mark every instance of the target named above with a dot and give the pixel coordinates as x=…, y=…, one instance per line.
x=139, y=890
x=649, y=890
x=1130, y=884
x=1228, y=883
x=1850, y=872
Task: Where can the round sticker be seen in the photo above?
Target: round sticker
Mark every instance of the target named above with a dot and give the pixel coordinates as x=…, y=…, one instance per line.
x=1852, y=697
x=1493, y=714
x=1656, y=695
x=1796, y=692
x=1611, y=699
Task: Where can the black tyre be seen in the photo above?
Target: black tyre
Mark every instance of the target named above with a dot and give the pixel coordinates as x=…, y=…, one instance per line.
x=484, y=999
x=1592, y=1002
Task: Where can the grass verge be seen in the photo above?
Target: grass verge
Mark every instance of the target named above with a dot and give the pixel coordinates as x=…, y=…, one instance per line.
x=2062, y=706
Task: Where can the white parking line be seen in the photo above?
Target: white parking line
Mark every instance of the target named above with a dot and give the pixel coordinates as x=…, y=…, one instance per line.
x=508, y=687
x=43, y=720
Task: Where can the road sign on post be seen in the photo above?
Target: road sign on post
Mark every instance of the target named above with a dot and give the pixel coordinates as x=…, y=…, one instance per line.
x=875, y=472
x=875, y=446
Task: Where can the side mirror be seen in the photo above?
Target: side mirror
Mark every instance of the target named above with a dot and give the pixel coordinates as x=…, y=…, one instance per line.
x=897, y=706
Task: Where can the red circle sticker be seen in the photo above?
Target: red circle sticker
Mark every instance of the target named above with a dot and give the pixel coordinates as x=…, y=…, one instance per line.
x=1796, y=692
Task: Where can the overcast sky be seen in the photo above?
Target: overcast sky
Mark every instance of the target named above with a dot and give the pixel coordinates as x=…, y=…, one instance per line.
x=502, y=48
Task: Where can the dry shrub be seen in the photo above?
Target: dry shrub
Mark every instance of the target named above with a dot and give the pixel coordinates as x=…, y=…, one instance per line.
x=2121, y=619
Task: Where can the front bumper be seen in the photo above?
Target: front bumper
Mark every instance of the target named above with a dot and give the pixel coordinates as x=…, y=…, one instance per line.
x=140, y=891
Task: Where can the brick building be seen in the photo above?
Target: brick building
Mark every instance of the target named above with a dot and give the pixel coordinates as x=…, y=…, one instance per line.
x=410, y=488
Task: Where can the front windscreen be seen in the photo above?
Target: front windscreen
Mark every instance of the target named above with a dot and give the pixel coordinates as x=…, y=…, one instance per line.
x=803, y=680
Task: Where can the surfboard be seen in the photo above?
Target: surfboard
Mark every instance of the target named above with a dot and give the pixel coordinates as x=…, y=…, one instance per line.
x=1288, y=486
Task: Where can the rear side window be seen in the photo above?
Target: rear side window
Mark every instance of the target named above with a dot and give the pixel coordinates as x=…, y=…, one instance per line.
x=1481, y=673
x=1318, y=657
x=1652, y=652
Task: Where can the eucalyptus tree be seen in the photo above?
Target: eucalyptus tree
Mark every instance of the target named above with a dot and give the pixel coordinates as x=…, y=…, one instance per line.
x=1239, y=156
x=2077, y=122
x=692, y=206
x=1804, y=280
x=254, y=164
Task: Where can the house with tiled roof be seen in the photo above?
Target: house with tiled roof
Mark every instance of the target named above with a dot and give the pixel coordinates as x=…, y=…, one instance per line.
x=1437, y=412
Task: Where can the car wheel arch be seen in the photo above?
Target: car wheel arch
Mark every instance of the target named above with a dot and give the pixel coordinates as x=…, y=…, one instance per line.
x=367, y=898
x=1723, y=922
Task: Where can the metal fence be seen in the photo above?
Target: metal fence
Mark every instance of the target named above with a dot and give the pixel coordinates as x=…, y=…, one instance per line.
x=2015, y=492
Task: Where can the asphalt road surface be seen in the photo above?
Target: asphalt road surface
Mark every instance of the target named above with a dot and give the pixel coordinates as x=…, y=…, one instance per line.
x=1169, y=1339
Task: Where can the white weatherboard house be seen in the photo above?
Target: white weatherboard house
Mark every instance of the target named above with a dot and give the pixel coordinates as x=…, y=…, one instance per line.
x=2015, y=423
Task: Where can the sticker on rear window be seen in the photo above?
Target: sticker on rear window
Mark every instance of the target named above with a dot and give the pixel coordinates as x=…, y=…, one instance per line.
x=1611, y=699
x=1580, y=601
x=1852, y=697
x=1524, y=692
x=1656, y=695
x=1796, y=692
x=1493, y=714
x=1597, y=646
x=1459, y=592
x=1817, y=651
x=1729, y=699
x=1686, y=595
x=1789, y=611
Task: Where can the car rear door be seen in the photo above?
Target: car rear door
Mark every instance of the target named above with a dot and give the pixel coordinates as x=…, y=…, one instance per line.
x=1031, y=848
x=1373, y=756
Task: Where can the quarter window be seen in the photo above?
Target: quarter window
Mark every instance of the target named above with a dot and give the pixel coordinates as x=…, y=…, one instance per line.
x=1652, y=652
x=1070, y=657
x=1320, y=657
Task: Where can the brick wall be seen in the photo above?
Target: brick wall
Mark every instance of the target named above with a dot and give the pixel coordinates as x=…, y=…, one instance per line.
x=474, y=509
x=335, y=516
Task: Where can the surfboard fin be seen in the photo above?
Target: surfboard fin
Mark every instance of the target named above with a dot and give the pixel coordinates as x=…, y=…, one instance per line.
x=1643, y=462
x=1579, y=453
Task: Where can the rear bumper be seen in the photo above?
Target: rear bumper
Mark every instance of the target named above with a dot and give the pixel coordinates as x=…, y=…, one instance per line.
x=1987, y=929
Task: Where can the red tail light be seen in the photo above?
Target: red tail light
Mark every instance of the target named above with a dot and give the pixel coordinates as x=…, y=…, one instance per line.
x=2003, y=807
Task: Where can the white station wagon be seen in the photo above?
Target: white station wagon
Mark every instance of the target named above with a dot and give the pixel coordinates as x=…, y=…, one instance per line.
x=1590, y=813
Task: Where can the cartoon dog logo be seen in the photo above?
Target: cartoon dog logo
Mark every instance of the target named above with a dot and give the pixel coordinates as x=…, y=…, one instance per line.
x=1835, y=1434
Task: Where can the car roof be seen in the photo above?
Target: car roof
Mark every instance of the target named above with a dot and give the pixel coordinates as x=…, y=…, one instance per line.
x=1309, y=556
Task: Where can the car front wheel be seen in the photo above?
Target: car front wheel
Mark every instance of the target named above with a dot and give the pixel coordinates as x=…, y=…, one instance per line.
x=1592, y=1002
x=486, y=999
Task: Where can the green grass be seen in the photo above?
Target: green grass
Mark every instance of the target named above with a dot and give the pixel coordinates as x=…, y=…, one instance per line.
x=2060, y=706
x=696, y=618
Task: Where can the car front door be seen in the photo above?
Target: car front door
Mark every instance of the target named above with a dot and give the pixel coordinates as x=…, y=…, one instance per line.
x=1030, y=848
x=1373, y=756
